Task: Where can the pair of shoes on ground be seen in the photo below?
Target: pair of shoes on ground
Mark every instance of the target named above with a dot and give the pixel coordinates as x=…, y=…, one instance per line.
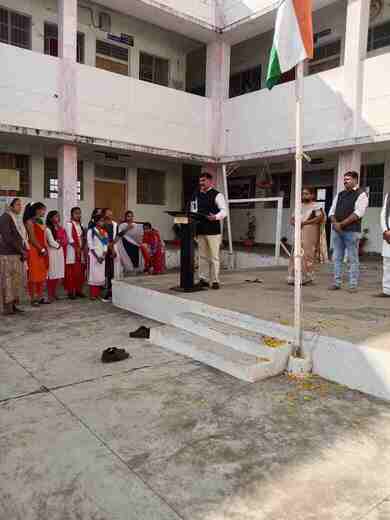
x=202, y=284
x=113, y=354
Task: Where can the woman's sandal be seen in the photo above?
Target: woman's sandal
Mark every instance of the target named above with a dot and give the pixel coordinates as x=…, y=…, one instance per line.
x=112, y=354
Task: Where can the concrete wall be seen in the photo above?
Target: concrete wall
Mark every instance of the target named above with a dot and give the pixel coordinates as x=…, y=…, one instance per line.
x=110, y=106
x=264, y=121
x=138, y=112
x=157, y=214
x=375, y=110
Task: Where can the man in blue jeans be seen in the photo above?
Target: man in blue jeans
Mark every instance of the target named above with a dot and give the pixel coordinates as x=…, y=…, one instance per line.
x=346, y=215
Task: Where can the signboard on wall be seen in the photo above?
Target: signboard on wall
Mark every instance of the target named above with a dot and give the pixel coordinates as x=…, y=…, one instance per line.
x=126, y=39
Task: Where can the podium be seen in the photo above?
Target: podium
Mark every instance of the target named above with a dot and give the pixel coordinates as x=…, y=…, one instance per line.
x=187, y=222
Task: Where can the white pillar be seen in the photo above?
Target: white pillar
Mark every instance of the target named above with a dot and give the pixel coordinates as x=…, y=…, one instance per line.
x=67, y=180
x=68, y=106
x=67, y=51
x=350, y=160
x=217, y=89
x=356, y=34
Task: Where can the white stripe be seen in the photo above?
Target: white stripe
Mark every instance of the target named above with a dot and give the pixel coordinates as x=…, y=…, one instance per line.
x=287, y=39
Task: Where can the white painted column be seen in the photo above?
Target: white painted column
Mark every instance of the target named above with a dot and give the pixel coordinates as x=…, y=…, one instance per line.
x=356, y=35
x=67, y=180
x=68, y=106
x=350, y=160
x=217, y=89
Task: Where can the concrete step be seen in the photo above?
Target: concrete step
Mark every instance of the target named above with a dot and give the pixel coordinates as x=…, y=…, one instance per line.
x=244, y=366
x=238, y=338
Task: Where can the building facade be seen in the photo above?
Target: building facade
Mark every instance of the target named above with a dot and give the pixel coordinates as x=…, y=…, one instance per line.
x=119, y=103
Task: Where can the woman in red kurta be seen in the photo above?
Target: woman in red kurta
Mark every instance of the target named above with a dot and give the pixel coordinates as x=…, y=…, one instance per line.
x=38, y=260
x=156, y=250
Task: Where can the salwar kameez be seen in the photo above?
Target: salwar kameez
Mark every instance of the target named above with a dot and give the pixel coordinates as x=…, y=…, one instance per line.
x=156, y=252
x=38, y=263
x=98, y=246
x=57, y=252
x=311, y=235
x=11, y=280
x=75, y=263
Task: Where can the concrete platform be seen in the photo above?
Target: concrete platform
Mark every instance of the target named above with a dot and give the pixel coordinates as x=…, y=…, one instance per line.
x=362, y=364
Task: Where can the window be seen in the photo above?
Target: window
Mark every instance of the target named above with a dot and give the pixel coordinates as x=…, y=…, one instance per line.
x=51, y=42
x=245, y=81
x=372, y=178
x=51, y=179
x=153, y=69
x=378, y=36
x=10, y=161
x=150, y=187
x=325, y=57
x=15, y=28
x=113, y=58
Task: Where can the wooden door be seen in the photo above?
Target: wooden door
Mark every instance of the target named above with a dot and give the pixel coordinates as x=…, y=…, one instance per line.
x=111, y=195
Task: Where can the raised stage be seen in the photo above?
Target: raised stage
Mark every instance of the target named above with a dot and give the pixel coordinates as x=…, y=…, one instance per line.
x=348, y=336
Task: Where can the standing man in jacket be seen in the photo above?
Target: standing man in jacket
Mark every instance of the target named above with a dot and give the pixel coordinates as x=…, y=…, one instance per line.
x=210, y=203
x=346, y=213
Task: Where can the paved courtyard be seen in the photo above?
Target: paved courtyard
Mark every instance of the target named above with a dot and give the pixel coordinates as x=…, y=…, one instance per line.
x=161, y=437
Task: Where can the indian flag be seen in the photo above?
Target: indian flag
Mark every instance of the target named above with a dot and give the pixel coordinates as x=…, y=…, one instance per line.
x=293, y=38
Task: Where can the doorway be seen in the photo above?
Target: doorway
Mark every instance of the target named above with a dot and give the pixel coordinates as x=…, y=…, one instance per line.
x=324, y=195
x=111, y=195
x=191, y=173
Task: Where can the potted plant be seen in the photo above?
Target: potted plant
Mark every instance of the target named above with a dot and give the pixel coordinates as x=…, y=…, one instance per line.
x=363, y=241
x=251, y=233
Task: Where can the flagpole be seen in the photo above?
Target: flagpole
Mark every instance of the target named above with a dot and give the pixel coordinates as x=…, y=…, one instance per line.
x=298, y=211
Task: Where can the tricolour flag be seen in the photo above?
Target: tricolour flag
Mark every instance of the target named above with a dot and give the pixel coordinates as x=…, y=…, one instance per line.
x=293, y=38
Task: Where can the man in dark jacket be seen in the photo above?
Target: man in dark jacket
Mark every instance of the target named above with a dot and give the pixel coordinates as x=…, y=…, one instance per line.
x=210, y=203
x=346, y=213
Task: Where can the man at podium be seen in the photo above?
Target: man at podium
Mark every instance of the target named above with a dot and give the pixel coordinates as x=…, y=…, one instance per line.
x=209, y=202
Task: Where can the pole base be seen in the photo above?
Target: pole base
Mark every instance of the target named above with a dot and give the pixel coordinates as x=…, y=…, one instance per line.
x=187, y=289
x=299, y=366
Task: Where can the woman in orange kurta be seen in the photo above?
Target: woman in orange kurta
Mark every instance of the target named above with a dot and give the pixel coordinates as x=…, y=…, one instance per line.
x=38, y=260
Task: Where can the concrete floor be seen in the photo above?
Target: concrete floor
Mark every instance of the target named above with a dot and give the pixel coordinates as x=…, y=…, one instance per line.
x=359, y=318
x=161, y=437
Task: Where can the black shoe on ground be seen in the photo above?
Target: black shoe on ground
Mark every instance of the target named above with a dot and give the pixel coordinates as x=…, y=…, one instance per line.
x=80, y=295
x=334, y=287
x=215, y=286
x=202, y=284
x=72, y=297
x=16, y=309
x=142, y=333
x=112, y=354
x=381, y=295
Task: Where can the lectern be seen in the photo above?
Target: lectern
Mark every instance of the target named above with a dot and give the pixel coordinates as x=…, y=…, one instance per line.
x=187, y=222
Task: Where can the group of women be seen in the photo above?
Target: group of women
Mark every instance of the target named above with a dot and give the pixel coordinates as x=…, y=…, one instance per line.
x=38, y=253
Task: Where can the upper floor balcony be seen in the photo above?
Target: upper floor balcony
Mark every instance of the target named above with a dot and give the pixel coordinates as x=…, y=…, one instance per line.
x=108, y=106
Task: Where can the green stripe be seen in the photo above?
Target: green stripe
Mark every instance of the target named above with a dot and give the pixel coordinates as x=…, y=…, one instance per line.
x=274, y=72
